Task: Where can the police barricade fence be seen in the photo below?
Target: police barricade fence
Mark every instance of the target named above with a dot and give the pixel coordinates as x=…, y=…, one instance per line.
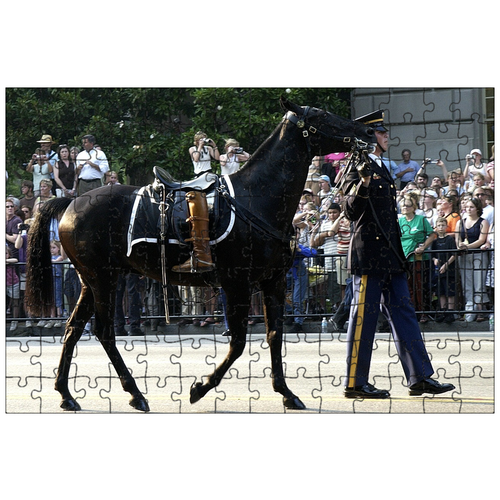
x=465, y=288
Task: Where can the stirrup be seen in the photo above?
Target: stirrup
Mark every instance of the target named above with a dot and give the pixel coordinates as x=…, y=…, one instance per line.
x=189, y=266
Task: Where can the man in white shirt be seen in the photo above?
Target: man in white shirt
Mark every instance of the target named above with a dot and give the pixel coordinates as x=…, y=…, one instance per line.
x=91, y=165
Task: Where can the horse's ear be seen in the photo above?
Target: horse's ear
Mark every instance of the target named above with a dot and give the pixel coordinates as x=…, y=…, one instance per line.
x=289, y=106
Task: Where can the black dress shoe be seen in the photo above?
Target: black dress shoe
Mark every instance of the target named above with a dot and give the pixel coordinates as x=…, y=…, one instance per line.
x=367, y=391
x=429, y=386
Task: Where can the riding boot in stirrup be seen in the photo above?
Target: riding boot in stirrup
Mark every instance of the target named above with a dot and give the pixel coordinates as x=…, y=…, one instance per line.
x=201, y=261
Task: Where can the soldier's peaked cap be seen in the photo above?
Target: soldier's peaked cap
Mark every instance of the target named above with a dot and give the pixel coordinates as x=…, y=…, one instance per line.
x=375, y=119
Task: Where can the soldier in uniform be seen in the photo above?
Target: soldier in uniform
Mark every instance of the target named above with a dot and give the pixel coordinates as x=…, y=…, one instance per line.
x=380, y=283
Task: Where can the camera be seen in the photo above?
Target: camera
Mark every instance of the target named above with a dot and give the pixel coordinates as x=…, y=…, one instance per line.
x=23, y=228
x=238, y=150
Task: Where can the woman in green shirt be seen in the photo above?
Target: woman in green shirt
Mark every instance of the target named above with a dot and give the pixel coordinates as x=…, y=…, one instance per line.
x=416, y=235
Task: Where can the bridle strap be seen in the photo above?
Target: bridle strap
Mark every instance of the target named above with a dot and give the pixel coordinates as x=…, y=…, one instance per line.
x=300, y=122
x=307, y=129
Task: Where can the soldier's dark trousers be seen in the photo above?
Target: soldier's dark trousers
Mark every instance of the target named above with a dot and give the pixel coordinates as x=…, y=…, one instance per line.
x=388, y=293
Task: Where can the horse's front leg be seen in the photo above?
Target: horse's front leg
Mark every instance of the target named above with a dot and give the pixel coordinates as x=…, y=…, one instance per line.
x=273, y=312
x=237, y=316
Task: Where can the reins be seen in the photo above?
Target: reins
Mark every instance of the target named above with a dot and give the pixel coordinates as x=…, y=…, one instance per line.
x=251, y=219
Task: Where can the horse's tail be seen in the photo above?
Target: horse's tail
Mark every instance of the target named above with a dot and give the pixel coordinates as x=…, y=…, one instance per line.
x=39, y=283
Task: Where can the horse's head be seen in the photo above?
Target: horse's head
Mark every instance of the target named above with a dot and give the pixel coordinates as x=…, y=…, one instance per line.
x=328, y=133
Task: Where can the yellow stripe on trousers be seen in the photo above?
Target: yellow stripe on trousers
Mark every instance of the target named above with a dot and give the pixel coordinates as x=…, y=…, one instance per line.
x=360, y=314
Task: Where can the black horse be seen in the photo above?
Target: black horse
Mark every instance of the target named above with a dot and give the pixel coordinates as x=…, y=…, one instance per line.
x=257, y=252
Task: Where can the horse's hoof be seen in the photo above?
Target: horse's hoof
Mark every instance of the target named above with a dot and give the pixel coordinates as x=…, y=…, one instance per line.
x=70, y=405
x=196, y=392
x=293, y=403
x=140, y=404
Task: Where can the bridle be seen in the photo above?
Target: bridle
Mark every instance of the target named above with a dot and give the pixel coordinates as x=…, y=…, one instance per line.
x=308, y=130
x=359, y=149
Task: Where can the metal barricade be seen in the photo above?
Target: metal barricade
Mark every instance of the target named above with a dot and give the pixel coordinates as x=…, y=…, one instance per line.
x=465, y=289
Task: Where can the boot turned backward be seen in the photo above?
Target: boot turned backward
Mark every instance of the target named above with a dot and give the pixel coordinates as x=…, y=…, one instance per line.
x=201, y=259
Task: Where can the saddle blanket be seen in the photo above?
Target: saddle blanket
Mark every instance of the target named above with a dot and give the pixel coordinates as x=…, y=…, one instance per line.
x=145, y=223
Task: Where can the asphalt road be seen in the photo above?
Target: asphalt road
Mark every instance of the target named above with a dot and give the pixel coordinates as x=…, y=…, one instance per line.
x=165, y=366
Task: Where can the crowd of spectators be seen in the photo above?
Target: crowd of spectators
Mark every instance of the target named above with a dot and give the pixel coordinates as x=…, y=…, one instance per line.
x=463, y=199
x=455, y=270
x=62, y=173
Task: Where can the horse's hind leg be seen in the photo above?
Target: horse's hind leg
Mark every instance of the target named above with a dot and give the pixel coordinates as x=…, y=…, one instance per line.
x=73, y=331
x=105, y=310
x=273, y=312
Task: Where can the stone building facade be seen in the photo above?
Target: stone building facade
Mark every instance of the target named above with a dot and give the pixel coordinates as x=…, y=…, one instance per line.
x=436, y=123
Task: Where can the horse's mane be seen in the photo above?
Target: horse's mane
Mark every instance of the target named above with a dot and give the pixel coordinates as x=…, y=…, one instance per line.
x=264, y=147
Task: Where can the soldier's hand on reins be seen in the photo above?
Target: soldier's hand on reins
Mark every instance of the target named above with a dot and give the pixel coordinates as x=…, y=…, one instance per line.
x=364, y=170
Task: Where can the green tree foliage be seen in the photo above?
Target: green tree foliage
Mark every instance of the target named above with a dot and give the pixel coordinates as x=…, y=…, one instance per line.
x=141, y=127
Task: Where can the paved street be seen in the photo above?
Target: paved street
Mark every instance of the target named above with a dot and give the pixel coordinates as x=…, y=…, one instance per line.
x=166, y=365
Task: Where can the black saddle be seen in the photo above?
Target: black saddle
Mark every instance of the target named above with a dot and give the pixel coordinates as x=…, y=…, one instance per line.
x=145, y=222
x=202, y=183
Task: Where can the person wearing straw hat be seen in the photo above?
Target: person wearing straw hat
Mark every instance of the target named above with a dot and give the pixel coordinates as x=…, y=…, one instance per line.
x=46, y=143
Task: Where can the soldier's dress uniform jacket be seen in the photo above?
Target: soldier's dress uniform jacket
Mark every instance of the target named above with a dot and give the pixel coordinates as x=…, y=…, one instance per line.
x=380, y=282
x=376, y=242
